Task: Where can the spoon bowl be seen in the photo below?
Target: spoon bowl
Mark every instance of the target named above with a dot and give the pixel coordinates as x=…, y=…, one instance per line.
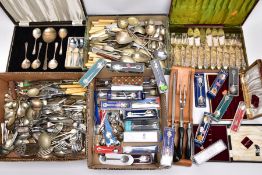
x=122, y=23
x=160, y=54
x=123, y=37
x=140, y=57
x=49, y=35
x=36, y=104
x=133, y=21
x=150, y=29
x=33, y=92
x=127, y=59
x=140, y=30
x=53, y=64
x=44, y=140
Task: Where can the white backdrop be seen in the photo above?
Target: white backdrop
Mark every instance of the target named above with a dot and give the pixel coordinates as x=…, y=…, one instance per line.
x=253, y=37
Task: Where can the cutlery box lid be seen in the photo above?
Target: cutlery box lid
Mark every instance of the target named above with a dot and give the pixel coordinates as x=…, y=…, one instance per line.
x=251, y=96
x=127, y=7
x=211, y=12
x=39, y=12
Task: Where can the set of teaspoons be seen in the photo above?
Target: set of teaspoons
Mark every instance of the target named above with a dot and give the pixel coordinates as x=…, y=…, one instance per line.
x=209, y=48
x=49, y=35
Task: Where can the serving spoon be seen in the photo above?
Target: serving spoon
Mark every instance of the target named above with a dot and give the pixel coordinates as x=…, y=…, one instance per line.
x=49, y=35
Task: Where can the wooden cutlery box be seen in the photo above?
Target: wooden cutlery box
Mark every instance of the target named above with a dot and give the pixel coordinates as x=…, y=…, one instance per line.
x=29, y=15
x=184, y=78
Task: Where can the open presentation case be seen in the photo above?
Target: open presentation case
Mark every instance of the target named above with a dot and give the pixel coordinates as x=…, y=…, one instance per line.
x=208, y=34
x=31, y=18
x=242, y=146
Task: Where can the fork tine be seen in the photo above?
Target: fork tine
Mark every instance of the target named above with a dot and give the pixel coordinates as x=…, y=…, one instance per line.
x=180, y=94
x=184, y=95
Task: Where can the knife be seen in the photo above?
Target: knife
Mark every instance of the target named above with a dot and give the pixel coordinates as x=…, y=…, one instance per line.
x=175, y=155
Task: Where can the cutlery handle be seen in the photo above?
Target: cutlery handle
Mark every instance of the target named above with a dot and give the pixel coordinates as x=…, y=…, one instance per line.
x=61, y=47
x=175, y=155
x=2, y=132
x=39, y=49
x=180, y=142
x=26, y=46
x=56, y=45
x=107, y=56
x=45, y=61
x=189, y=142
x=34, y=50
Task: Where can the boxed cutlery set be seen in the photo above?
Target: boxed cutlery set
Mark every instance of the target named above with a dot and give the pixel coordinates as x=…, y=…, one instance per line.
x=146, y=76
x=44, y=37
x=208, y=34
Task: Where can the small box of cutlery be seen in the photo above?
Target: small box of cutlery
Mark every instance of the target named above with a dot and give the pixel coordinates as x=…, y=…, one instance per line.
x=41, y=34
x=124, y=131
x=241, y=146
x=128, y=39
x=180, y=105
x=208, y=34
x=43, y=117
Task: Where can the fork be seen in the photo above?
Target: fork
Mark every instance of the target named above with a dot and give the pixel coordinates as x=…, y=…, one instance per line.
x=182, y=102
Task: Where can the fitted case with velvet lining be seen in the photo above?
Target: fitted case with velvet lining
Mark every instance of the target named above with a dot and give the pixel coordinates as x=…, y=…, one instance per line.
x=236, y=142
x=28, y=15
x=247, y=93
x=229, y=15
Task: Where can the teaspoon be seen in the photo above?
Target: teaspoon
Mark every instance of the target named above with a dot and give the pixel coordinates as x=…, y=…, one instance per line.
x=36, y=35
x=36, y=63
x=52, y=64
x=62, y=34
x=123, y=159
x=26, y=63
